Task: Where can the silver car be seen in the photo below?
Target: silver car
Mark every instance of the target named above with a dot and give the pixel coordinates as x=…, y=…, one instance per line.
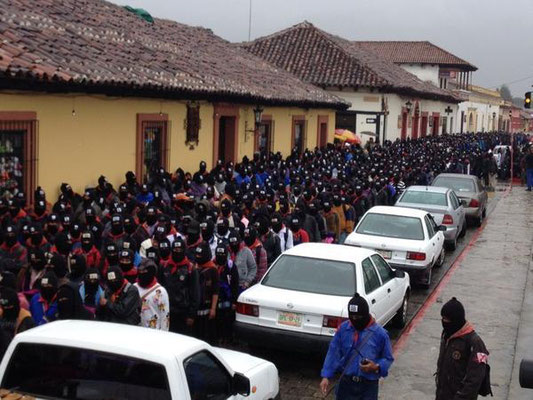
x=470, y=191
x=443, y=205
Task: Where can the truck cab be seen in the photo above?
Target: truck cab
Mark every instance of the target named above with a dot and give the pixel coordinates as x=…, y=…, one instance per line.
x=95, y=360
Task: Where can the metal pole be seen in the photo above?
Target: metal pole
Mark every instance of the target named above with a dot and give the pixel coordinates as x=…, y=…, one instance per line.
x=250, y=22
x=512, y=159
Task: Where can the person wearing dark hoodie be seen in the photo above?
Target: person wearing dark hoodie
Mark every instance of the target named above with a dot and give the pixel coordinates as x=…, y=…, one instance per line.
x=182, y=282
x=125, y=262
x=13, y=318
x=205, y=324
x=228, y=293
x=361, y=351
x=259, y=253
x=12, y=249
x=43, y=305
x=90, y=290
x=62, y=245
x=463, y=357
x=70, y=304
x=121, y=303
x=243, y=259
x=93, y=257
x=77, y=267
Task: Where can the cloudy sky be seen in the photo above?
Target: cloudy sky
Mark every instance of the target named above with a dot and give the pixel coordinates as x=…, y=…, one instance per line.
x=494, y=35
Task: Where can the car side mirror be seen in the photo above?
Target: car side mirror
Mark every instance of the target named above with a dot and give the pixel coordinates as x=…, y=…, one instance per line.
x=399, y=273
x=240, y=384
x=442, y=228
x=464, y=203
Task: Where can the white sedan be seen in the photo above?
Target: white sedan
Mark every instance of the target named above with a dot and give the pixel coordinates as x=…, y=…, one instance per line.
x=408, y=239
x=303, y=297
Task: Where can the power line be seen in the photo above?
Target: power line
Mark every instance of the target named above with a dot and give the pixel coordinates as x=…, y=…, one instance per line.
x=510, y=83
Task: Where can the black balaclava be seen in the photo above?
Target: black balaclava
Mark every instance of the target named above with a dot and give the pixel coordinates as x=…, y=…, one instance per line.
x=277, y=222
x=147, y=271
x=129, y=225
x=39, y=208
x=235, y=241
x=117, y=226
x=91, y=282
x=37, y=259
x=90, y=216
x=193, y=232
x=87, y=241
x=10, y=235
x=295, y=224
x=9, y=302
x=69, y=304
x=49, y=283
x=455, y=312
x=114, y=279
x=202, y=253
x=36, y=235
x=151, y=216
x=221, y=255
x=358, y=312
x=112, y=254
x=208, y=229
x=250, y=236
x=125, y=260
x=164, y=248
x=75, y=231
x=222, y=227
x=178, y=250
x=263, y=225
x=63, y=243
x=78, y=266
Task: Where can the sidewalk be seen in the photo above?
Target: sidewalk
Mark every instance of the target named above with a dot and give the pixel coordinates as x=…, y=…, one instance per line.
x=491, y=281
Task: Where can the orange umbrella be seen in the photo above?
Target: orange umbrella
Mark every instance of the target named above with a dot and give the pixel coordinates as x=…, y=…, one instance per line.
x=344, y=135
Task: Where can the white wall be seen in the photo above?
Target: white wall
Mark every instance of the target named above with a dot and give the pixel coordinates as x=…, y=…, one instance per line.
x=483, y=112
x=424, y=72
x=368, y=101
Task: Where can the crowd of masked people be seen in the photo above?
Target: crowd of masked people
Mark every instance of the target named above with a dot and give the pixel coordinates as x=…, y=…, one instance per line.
x=175, y=252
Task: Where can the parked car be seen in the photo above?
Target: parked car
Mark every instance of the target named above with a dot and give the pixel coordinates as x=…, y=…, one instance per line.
x=444, y=206
x=303, y=297
x=408, y=239
x=470, y=191
x=99, y=360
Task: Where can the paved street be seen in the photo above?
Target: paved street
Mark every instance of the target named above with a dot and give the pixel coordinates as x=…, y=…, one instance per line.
x=299, y=373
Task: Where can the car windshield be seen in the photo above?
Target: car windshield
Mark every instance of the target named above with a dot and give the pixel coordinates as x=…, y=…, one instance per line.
x=457, y=184
x=395, y=226
x=61, y=372
x=312, y=275
x=429, y=198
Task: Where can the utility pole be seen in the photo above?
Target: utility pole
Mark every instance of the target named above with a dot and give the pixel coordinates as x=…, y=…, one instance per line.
x=250, y=22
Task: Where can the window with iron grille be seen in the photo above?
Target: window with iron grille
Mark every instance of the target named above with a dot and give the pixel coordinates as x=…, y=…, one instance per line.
x=192, y=123
x=18, y=153
x=152, y=144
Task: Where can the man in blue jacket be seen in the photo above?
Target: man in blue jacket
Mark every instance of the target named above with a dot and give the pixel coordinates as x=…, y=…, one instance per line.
x=361, y=352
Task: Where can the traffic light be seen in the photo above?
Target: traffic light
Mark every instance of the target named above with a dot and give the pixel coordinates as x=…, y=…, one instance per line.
x=527, y=100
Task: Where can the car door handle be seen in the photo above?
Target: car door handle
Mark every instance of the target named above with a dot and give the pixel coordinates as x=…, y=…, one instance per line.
x=373, y=301
x=388, y=290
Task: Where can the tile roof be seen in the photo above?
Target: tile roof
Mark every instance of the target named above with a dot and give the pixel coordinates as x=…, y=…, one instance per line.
x=96, y=46
x=421, y=52
x=326, y=60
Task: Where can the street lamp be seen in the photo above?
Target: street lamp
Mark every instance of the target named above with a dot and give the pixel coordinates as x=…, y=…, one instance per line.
x=258, y=112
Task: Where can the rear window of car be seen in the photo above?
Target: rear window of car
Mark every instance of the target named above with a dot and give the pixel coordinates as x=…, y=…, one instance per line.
x=457, y=184
x=312, y=275
x=428, y=198
x=394, y=226
x=60, y=372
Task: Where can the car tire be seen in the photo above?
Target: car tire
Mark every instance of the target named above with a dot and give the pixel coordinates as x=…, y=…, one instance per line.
x=427, y=285
x=400, y=319
x=440, y=260
x=479, y=220
x=463, y=231
x=452, y=244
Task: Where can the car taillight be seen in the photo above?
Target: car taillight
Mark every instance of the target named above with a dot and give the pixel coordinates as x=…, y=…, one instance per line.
x=247, y=309
x=332, y=322
x=447, y=220
x=412, y=255
x=473, y=203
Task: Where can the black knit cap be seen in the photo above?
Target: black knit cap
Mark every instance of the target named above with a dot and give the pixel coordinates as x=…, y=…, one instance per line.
x=358, y=306
x=454, y=311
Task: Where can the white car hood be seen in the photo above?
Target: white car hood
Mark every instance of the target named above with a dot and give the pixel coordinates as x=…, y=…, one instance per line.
x=240, y=362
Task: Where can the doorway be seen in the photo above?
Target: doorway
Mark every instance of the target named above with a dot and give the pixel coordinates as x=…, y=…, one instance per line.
x=435, y=127
x=414, y=132
x=404, y=126
x=322, y=139
x=226, y=139
x=424, y=125
x=263, y=138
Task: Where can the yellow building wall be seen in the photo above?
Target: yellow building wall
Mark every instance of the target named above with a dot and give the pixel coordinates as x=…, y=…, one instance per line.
x=100, y=138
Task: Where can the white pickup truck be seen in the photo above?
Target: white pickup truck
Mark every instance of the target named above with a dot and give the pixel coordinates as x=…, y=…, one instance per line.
x=98, y=360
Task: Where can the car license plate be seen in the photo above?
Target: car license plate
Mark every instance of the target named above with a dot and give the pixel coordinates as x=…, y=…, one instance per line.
x=386, y=254
x=290, y=319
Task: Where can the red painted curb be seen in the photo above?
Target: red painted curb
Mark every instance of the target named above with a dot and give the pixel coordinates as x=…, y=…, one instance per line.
x=411, y=327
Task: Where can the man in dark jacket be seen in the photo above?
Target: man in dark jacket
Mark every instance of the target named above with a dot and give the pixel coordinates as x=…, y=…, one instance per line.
x=271, y=241
x=13, y=318
x=121, y=303
x=462, y=362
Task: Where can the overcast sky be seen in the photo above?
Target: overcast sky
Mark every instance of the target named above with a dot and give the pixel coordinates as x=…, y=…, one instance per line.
x=494, y=35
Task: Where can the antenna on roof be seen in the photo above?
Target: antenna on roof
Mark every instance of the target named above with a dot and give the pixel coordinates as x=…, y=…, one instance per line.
x=250, y=22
